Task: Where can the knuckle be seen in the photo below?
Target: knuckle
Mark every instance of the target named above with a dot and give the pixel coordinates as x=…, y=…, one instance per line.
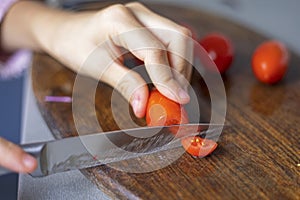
x=157, y=55
x=124, y=89
x=181, y=69
x=180, y=64
x=185, y=31
x=135, y=4
x=162, y=76
x=167, y=80
x=118, y=11
x=129, y=83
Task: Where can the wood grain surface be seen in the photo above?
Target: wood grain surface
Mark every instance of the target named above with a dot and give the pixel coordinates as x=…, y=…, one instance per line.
x=259, y=150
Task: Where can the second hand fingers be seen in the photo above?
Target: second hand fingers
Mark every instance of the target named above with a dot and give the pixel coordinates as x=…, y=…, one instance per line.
x=130, y=84
x=177, y=40
x=182, y=70
x=111, y=70
x=15, y=159
x=145, y=46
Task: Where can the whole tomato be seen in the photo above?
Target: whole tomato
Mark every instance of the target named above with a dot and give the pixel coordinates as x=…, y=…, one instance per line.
x=270, y=61
x=220, y=49
x=162, y=111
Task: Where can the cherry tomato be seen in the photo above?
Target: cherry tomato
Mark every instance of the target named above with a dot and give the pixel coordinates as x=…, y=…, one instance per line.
x=197, y=146
x=162, y=111
x=270, y=61
x=220, y=50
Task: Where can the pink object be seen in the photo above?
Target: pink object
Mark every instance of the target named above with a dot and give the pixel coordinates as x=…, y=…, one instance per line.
x=4, y=6
x=12, y=65
x=62, y=99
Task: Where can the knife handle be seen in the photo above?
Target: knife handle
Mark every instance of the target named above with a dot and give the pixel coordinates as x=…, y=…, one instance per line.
x=34, y=149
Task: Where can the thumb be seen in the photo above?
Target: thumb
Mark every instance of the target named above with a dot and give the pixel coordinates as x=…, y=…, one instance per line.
x=15, y=159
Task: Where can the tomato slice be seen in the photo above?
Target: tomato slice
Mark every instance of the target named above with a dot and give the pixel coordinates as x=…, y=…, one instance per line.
x=197, y=146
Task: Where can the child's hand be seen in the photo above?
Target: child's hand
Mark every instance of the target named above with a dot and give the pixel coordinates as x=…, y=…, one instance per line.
x=15, y=159
x=72, y=37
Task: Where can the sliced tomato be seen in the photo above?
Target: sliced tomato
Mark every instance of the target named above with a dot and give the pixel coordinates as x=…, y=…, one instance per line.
x=197, y=146
x=162, y=111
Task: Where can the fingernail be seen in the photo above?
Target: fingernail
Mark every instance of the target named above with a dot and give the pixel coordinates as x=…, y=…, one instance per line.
x=183, y=94
x=28, y=161
x=135, y=105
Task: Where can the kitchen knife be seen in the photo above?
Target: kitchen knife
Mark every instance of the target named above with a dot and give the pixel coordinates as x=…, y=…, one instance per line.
x=110, y=147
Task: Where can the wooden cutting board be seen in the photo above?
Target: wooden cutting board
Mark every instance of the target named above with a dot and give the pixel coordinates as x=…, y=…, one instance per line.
x=259, y=150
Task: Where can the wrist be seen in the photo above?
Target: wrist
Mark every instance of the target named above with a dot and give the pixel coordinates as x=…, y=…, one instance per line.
x=30, y=25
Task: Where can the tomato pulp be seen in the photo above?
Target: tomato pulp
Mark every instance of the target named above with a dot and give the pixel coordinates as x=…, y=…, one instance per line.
x=197, y=146
x=162, y=111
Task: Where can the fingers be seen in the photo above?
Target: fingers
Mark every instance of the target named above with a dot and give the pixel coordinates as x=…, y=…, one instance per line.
x=177, y=40
x=130, y=84
x=180, y=57
x=124, y=26
x=15, y=159
x=132, y=35
x=182, y=70
x=110, y=69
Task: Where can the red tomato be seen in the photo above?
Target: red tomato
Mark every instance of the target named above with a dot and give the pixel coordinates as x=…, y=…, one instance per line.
x=270, y=61
x=162, y=111
x=220, y=50
x=197, y=146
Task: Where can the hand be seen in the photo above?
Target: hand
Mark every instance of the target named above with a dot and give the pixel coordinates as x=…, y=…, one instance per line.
x=71, y=37
x=15, y=159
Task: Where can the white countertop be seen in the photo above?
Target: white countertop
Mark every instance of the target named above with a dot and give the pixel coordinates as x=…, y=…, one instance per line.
x=275, y=18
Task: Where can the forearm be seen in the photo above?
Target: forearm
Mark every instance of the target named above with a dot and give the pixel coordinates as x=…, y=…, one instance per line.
x=30, y=25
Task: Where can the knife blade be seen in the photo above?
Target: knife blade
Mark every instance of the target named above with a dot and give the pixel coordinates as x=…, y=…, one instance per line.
x=110, y=147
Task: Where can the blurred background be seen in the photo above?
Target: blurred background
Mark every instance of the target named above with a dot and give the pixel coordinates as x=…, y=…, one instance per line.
x=10, y=123
x=273, y=18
